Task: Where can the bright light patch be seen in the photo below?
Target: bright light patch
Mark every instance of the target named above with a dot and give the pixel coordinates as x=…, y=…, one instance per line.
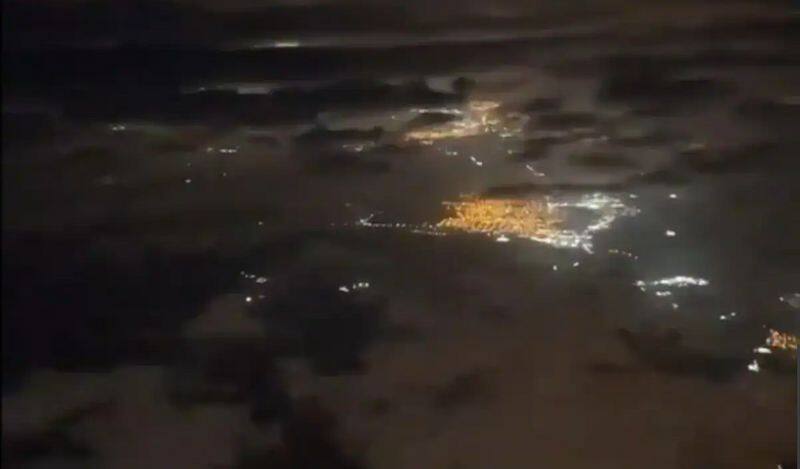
x=541, y=220
x=480, y=117
x=782, y=340
x=679, y=281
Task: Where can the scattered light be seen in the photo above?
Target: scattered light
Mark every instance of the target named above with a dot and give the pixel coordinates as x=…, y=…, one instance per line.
x=533, y=170
x=253, y=89
x=670, y=233
x=620, y=252
x=354, y=287
x=437, y=110
x=677, y=281
x=286, y=44
x=261, y=280
x=695, y=146
x=480, y=119
x=502, y=239
x=782, y=340
x=537, y=220
x=576, y=264
x=762, y=350
x=356, y=147
x=792, y=299
x=118, y=127
x=366, y=221
x=722, y=317
x=555, y=267
x=633, y=196
x=187, y=180
x=249, y=299
x=673, y=196
x=753, y=366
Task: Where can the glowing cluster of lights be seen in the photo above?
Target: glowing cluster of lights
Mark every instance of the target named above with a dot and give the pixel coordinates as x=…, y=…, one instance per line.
x=609, y=208
x=624, y=253
x=500, y=216
x=776, y=341
x=118, y=127
x=536, y=220
x=354, y=287
x=258, y=279
x=663, y=287
x=438, y=110
x=223, y=150
x=476, y=161
x=782, y=340
x=531, y=219
x=679, y=281
x=481, y=117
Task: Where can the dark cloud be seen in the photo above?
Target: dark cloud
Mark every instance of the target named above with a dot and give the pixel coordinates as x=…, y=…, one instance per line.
x=464, y=389
x=665, y=353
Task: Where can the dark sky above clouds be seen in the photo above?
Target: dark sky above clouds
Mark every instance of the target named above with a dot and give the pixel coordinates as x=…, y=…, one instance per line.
x=103, y=23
